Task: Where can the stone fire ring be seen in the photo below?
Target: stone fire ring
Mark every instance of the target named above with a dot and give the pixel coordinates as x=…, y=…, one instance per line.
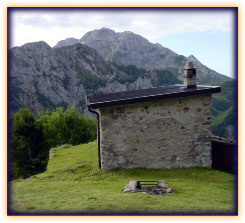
x=161, y=188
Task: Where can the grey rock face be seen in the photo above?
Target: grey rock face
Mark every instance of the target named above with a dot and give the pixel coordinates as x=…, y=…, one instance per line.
x=45, y=78
x=67, y=42
x=129, y=48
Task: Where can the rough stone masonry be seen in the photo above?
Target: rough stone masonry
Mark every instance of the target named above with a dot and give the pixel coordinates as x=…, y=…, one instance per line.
x=166, y=134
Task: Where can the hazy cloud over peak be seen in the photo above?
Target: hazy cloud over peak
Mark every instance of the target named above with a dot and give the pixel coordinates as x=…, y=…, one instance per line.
x=150, y=24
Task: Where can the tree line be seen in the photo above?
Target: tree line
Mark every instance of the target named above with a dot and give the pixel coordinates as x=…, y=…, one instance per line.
x=32, y=138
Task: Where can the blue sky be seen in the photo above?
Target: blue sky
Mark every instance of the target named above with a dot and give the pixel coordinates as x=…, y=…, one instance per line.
x=208, y=35
x=213, y=49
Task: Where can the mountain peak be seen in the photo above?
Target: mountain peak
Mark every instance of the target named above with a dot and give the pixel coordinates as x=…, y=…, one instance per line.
x=102, y=34
x=192, y=57
x=39, y=44
x=107, y=30
x=38, y=47
x=66, y=42
x=128, y=48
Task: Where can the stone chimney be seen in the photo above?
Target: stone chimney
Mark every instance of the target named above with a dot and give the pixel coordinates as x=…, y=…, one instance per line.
x=189, y=75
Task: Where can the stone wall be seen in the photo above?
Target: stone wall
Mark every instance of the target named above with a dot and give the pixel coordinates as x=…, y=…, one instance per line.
x=167, y=134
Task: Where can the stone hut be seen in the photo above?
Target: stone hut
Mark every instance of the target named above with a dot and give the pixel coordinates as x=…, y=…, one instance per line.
x=162, y=127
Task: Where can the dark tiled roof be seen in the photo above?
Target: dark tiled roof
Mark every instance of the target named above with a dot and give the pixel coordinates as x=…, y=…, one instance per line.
x=147, y=95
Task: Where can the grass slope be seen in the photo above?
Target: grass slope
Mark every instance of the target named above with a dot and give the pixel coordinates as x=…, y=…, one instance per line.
x=74, y=184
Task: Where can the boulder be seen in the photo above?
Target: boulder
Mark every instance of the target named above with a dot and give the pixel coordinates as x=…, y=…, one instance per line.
x=162, y=184
x=130, y=187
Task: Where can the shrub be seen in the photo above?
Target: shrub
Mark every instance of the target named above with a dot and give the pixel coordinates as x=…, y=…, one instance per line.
x=33, y=137
x=29, y=152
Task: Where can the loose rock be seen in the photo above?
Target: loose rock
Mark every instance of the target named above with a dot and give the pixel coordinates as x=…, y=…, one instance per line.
x=130, y=187
x=162, y=184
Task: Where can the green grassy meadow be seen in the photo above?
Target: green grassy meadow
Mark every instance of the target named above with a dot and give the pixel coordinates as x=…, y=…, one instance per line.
x=73, y=183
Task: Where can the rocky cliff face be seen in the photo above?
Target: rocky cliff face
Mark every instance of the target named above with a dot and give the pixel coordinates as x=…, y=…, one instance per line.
x=45, y=78
x=67, y=42
x=128, y=48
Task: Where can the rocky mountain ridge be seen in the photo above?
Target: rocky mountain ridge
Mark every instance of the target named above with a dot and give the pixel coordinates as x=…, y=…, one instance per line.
x=129, y=48
x=44, y=78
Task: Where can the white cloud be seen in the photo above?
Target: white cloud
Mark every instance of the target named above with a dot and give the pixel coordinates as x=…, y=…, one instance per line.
x=161, y=25
x=52, y=26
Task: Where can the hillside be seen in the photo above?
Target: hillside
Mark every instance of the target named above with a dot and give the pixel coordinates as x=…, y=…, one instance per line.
x=73, y=184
